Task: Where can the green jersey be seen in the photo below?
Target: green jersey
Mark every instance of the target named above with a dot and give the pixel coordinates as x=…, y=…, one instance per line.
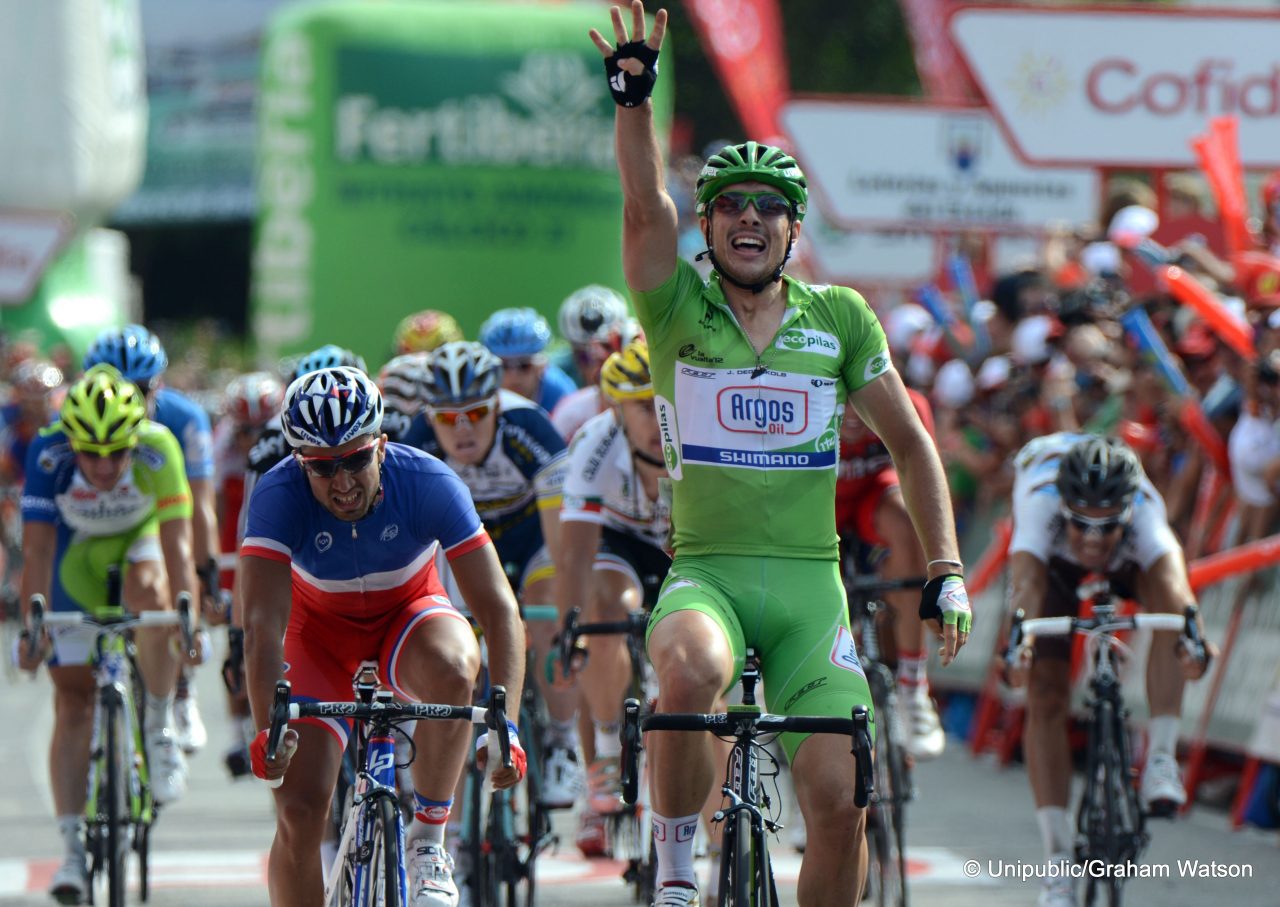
x=751, y=442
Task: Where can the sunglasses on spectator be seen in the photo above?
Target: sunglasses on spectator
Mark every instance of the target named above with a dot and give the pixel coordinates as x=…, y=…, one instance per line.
x=472, y=414
x=1103, y=525
x=353, y=461
x=768, y=204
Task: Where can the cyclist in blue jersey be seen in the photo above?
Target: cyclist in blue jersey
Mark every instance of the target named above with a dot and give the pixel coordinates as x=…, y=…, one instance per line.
x=338, y=567
x=519, y=337
x=506, y=451
x=35, y=383
x=139, y=356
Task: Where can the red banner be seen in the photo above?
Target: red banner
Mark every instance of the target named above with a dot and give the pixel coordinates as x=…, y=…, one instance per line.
x=942, y=75
x=743, y=39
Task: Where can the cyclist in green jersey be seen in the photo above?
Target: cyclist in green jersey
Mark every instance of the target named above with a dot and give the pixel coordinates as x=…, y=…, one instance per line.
x=105, y=486
x=751, y=372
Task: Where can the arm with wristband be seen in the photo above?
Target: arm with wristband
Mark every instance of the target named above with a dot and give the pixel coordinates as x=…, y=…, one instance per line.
x=887, y=409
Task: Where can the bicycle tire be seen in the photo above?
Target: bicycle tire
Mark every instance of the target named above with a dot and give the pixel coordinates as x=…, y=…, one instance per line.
x=114, y=813
x=142, y=847
x=763, y=891
x=386, y=868
x=735, y=873
x=886, y=838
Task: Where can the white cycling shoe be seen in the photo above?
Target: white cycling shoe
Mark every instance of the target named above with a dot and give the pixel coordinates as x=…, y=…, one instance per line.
x=431, y=877
x=925, y=737
x=70, y=881
x=167, y=765
x=563, y=780
x=1162, y=790
x=1058, y=890
x=676, y=896
x=188, y=727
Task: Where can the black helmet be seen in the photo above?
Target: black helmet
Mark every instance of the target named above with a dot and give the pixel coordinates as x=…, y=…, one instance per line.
x=1098, y=472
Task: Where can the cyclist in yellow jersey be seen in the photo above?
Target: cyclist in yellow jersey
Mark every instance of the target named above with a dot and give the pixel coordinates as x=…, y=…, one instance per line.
x=751, y=371
x=105, y=486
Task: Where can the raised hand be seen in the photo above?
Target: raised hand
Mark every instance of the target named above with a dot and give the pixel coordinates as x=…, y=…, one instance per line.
x=631, y=64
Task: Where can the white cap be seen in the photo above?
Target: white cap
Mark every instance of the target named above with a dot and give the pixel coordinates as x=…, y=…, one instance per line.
x=1131, y=225
x=953, y=385
x=1100, y=258
x=993, y=373
x=1031, y=340
x=903, y=323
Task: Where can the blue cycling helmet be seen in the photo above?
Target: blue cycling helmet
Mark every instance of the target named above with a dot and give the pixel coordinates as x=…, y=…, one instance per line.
x=329, y=407
x=132, y=350
x=515, y=332
x=328, y=356
x=459, y=373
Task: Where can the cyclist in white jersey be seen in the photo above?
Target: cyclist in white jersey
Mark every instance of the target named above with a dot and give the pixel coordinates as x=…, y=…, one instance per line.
x=1082, y=505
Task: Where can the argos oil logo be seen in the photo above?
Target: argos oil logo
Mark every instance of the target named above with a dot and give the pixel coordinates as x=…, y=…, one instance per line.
x=763, y=411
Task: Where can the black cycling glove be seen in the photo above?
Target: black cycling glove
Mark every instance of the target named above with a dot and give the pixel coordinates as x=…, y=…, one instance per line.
x=629, y=90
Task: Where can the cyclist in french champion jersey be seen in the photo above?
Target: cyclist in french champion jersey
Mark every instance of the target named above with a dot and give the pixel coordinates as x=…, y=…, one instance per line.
x=1083, y=505
x=751, y=370
x=338, y=561
x=105, y=487
x=138, y=355
x=506, y=452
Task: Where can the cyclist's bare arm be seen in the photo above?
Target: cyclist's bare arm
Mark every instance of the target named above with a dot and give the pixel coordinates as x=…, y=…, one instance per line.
x=549, y=519
x=885, y=407
x=649, y=228
x=175, y=545
x=1165, y=587
x=485, y=589
x=268, y=598
x=579, y=541
x=204, y=526
x=39, y=542
x=1028, y=585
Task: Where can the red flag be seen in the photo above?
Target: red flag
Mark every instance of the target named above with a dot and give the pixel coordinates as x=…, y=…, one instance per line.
x=743, y=38
x=937, y=61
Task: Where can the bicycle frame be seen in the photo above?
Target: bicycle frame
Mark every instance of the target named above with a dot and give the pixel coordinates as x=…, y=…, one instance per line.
x=375, y=797
x=119, y=808
x=1110, y=824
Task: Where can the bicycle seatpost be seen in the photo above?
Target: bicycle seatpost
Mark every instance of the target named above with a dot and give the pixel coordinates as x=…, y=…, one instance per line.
x=750, y=675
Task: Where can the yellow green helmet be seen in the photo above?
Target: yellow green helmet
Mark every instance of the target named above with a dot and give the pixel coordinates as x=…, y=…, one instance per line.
x=625, y=374
x=102, y=411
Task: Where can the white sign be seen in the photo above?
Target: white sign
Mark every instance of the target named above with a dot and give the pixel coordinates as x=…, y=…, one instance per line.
x=875, y=164
x=862, y=258
x=1124, y=88
x=28, y=242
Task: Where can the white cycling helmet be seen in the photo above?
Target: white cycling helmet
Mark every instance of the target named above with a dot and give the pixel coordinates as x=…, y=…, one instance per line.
x=590, y=314
x=401, y=381
x=461, y=372
x=329, y=407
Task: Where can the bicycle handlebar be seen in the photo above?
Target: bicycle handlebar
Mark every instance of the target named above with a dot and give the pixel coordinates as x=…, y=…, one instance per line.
x=856, y=727
x=1024, y=629
x=570, y=633
x=868, y=587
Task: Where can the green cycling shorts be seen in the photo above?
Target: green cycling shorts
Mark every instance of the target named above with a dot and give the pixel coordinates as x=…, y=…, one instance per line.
x=80, y=571
x=794, y=614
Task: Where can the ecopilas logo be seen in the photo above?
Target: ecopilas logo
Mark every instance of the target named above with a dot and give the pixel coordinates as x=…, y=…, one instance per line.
x=805, y=340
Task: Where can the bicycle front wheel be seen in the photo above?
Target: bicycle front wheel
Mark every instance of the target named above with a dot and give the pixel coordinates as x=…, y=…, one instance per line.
x=385, y=872
x=735, y=863
x=885, y=834
x=113, y=808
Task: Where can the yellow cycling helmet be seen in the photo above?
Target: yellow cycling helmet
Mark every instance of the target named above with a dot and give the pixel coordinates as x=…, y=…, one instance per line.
x=625, y=374
x=102, y=411
x=424, y=331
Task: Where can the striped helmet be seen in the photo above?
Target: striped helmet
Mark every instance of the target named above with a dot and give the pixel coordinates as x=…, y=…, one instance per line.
x=330, y=407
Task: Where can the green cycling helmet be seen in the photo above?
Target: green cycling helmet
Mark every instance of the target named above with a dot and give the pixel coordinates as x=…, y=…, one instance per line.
x=752, y=162
x=102, y=411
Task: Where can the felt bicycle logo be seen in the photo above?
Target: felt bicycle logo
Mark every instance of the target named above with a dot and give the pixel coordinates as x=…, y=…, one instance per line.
x=324, y=541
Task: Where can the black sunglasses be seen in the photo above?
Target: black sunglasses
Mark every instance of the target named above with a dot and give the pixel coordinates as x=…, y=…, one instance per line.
x=768, y=204
x=327, y=467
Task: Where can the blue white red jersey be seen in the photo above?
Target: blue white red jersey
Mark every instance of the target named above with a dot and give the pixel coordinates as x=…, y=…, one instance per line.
x=374, y=565
x=190, y=425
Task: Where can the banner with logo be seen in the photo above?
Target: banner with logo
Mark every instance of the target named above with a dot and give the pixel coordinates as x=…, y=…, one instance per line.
x=1124, y=87
x=430, y=155
x=744, y=40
